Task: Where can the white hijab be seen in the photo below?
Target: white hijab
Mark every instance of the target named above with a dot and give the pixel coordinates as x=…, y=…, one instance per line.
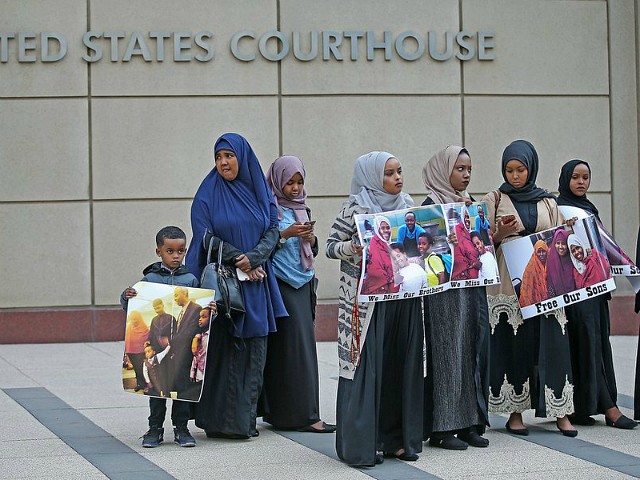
x=378, y=220
x=574, y=240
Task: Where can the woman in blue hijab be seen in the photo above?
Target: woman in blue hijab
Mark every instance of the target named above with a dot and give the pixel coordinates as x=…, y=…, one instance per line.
x=235, y=204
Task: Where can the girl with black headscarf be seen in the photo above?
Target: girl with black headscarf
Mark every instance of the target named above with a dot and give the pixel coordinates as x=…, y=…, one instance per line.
x=589, y=325
x=530, y=364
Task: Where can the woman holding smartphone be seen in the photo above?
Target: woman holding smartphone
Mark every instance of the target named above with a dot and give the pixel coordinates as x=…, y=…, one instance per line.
x=530, y=364
x=290, y=395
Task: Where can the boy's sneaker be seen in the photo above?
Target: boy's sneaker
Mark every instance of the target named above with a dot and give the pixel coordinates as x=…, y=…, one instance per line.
x=182, y=437
x=153, y=438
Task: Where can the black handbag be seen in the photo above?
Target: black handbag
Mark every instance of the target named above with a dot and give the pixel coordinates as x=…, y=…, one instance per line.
x=222, y=279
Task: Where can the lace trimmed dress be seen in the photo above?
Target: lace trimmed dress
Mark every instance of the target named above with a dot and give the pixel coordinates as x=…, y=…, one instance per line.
x=530, y=365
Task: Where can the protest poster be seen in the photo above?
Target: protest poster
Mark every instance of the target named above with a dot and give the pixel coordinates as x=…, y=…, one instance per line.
x=474, y=262
x=558, y=267
x=407, y=253
x=166, y=341
x=621, y=263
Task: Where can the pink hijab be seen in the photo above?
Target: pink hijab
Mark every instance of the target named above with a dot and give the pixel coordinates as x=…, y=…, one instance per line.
x=280, y=172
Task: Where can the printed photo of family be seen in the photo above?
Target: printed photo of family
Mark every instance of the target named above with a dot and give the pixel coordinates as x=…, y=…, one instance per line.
x=166, y=340
x=473, y=253
x=416, y=252
x=621, y=264
x=558, y=267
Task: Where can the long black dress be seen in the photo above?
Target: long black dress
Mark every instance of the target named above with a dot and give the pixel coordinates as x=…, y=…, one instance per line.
x=291, y=395
x=591, y=356
x=456, y=391
x=530, y=363
x=381, y=408
x=233, y=381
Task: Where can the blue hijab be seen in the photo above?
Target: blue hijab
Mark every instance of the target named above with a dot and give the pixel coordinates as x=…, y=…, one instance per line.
x=239, y=212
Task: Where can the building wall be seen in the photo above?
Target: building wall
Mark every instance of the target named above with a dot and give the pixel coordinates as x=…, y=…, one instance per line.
x=96, y=157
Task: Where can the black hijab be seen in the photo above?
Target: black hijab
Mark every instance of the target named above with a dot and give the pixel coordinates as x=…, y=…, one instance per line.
x=567, y=197
x=525, y=198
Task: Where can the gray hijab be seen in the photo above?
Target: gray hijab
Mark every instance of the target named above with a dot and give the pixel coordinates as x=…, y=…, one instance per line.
x=367, y=188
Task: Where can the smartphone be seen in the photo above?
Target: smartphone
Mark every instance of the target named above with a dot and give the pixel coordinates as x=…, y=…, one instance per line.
x=243, y=277
x=312, y=222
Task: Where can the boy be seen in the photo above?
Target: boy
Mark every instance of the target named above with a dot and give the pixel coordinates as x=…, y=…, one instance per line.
x=171, y=245
x=151, y=370
x=433, y=264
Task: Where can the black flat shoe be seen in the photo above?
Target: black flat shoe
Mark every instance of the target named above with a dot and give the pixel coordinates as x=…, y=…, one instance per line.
x=407, y=457
x=379, y=458
x=582, y=420
x=517, y=431
x=623, y=422
x=567, y=433
x=448, y=442
x=326, y=428
x=474, y=439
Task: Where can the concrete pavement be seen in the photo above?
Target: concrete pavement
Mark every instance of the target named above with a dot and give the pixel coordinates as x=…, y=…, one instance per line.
x=65, y=415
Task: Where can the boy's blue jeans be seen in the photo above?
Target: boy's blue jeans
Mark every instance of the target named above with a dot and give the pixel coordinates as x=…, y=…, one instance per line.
x=180, y=412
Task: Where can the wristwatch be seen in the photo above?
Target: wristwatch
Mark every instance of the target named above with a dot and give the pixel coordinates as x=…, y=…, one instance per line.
x=282, y=241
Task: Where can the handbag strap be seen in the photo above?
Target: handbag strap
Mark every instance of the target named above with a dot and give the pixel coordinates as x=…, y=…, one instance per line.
x=210, y=249
x=220, y=252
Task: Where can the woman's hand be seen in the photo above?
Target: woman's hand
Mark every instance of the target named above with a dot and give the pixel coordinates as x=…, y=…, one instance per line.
x=505, y=226
x=243, y=263
x=309, y=234
x=298, y=229
x=453, y=239
x=257, y=274
x=571, y=221
x=356, y=247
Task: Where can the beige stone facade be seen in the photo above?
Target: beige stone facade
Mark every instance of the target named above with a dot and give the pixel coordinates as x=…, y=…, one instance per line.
x=96, y=156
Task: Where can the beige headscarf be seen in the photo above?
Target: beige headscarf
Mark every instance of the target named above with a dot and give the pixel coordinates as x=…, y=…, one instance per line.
x=436, y=174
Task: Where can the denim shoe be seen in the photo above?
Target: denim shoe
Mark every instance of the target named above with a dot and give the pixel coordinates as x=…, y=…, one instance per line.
x=153, y=438
x=182, y=437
